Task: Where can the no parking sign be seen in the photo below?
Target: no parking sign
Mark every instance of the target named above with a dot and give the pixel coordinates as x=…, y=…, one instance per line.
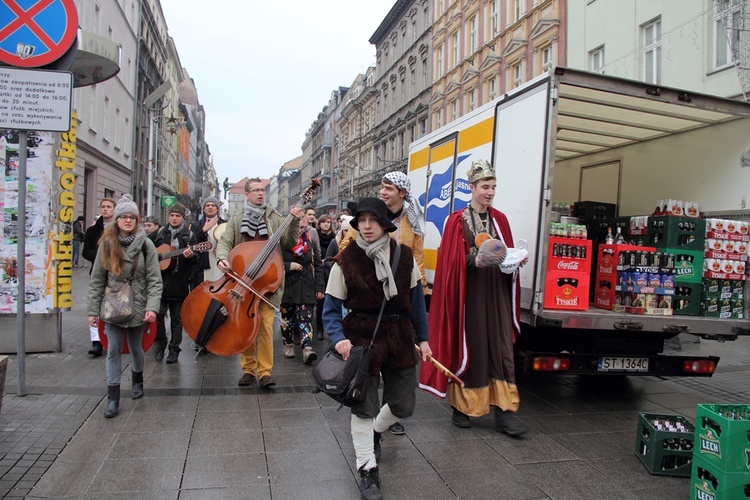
x=35, y=33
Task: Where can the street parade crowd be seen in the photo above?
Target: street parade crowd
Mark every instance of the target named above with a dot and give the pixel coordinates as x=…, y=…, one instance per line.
x=356, y=278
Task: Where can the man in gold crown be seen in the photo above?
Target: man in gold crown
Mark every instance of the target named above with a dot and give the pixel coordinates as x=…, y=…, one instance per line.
x=474, y=314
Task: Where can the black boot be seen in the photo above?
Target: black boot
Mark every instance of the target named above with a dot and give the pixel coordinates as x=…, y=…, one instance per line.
x=113, y=401
x=137, y=385
x=370, y=486
x=506, y=421
x=96, y=349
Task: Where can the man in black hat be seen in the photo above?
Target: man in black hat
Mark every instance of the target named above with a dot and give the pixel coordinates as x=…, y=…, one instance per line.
x=176, y=279
x=362, y=263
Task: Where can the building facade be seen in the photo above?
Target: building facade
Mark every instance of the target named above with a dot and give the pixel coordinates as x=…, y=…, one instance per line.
x=483, y=49
x=692, y=44
x=403, y=47
x=106, y=111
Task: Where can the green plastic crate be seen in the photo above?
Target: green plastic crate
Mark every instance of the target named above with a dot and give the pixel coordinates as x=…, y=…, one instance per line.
x=721, y=441
x=664, y=452
x=709, y=483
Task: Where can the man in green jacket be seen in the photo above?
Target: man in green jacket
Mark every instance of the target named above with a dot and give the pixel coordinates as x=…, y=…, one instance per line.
x=257, y=221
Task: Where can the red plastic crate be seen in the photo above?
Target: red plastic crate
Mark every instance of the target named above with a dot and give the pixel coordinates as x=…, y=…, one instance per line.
x=568, y=264
x=567, y=291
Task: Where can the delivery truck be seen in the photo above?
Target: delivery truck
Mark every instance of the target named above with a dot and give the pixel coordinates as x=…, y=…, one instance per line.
x=617, y=151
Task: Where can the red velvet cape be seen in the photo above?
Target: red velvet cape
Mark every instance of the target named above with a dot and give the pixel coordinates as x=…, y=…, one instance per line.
x=446, y=318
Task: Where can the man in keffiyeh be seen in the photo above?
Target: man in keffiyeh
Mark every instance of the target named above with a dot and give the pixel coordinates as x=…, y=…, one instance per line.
x=405, y=212
x=257, y=221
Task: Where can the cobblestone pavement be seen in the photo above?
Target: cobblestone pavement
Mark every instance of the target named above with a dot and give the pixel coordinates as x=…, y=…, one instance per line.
x=197, y=435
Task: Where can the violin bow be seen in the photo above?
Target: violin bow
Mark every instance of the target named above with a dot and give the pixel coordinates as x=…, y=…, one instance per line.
x=441, y=368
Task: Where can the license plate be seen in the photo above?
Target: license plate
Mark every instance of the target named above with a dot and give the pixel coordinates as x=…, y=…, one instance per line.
x=622, y=364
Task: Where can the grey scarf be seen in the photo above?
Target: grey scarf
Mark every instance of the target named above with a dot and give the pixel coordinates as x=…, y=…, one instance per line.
x=253, y=220
x=174, y=232
x=377, y=252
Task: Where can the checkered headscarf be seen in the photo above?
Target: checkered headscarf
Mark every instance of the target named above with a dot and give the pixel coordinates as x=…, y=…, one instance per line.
x=413, y=209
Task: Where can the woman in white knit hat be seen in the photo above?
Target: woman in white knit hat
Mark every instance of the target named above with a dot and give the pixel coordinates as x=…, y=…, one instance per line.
x=123, y=245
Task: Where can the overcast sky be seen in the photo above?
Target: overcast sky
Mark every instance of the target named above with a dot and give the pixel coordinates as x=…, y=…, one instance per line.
x=264, y=70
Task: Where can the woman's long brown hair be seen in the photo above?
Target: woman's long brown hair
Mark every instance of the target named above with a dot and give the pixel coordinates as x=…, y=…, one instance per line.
x=113, y=255
x=326, y=218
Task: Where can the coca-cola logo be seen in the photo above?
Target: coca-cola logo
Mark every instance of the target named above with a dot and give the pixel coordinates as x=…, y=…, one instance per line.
x=571, y=265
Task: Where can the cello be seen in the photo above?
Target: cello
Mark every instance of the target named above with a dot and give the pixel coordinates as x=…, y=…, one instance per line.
x=222, y=315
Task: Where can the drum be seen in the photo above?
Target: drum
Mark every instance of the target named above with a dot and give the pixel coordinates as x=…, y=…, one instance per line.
x=218, y=231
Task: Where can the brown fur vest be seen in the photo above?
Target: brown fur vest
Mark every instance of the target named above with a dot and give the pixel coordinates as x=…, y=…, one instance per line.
x=394, y=343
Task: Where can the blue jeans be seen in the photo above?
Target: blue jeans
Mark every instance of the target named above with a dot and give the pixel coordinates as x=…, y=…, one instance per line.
x=114, y=350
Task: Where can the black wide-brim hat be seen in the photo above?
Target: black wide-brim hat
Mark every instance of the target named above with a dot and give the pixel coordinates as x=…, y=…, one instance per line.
x=377, y=207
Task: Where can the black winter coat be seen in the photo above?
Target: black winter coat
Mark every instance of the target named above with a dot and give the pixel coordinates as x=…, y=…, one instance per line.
x=300, y=286
x=177, y=279
x=91, y=240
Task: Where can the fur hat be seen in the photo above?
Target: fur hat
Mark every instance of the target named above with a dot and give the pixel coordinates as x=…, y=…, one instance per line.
x=346, y=222
x=177, y=208
x=480, y=170
x=126, y=206
x=152, y=219
x=377, y=207
x=211, y=199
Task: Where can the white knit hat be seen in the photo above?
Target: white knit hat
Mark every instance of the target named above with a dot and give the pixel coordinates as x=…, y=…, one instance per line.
x=126, y=205
x=345, y=220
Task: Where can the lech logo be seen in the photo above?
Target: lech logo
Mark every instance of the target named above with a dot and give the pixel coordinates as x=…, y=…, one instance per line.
x=36, y=33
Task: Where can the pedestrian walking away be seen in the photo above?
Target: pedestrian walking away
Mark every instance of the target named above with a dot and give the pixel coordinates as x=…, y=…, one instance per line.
x=474, y=315
x=361, y=278
x=125, y=254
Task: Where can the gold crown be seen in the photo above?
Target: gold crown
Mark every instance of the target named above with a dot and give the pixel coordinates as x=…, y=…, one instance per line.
x=480, y=170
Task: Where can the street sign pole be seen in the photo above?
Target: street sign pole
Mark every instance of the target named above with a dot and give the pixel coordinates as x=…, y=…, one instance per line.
x=21, y=261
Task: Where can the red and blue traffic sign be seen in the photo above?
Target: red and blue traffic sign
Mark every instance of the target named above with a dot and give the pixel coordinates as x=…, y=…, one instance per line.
x=35, y=33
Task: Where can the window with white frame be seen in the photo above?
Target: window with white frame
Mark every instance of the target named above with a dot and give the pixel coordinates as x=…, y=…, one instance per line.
x=438, y=8
x=472, y=35
x=439, y=118
x=424, y=73
x=727, y=26
x=652, y=52
x=517, y=75
x=116, y=131
x=492, y=87
x=454, y=49
x=454, y=109
x=546, y=58
x=472, y=99
x=596, y=60
x=105, y=118
x=515, y=10
x=439, y=62
x=494, y=17
x=125, y=135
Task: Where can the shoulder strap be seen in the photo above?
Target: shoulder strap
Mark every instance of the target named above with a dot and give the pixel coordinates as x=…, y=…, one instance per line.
x=394, y=266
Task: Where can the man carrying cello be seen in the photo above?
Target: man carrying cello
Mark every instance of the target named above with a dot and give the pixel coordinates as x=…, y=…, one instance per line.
x=257, y=221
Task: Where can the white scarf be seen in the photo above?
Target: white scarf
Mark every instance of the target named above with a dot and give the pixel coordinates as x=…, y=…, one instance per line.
x=377, y=252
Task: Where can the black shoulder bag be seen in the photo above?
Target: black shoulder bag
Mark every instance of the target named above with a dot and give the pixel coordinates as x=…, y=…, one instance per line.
x=347, y=381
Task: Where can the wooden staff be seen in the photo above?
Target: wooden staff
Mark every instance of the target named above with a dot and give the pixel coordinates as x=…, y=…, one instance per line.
x=441, y=368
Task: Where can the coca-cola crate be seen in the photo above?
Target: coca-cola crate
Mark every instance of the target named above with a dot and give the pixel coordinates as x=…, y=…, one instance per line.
x=678, y=233
x=565, y=254
x=708, y=482
x=594, y=210
x=604, y=292
x=722, y=436
x=664, y=443
x=566, y=290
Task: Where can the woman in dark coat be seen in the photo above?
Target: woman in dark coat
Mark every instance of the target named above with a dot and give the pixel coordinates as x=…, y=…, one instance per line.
x=326, y=234
x=303, y=285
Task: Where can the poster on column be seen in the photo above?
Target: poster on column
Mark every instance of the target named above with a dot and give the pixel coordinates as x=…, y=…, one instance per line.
x=38, y=297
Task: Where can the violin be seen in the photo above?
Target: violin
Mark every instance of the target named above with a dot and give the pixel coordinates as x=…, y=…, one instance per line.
x=222, y=315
